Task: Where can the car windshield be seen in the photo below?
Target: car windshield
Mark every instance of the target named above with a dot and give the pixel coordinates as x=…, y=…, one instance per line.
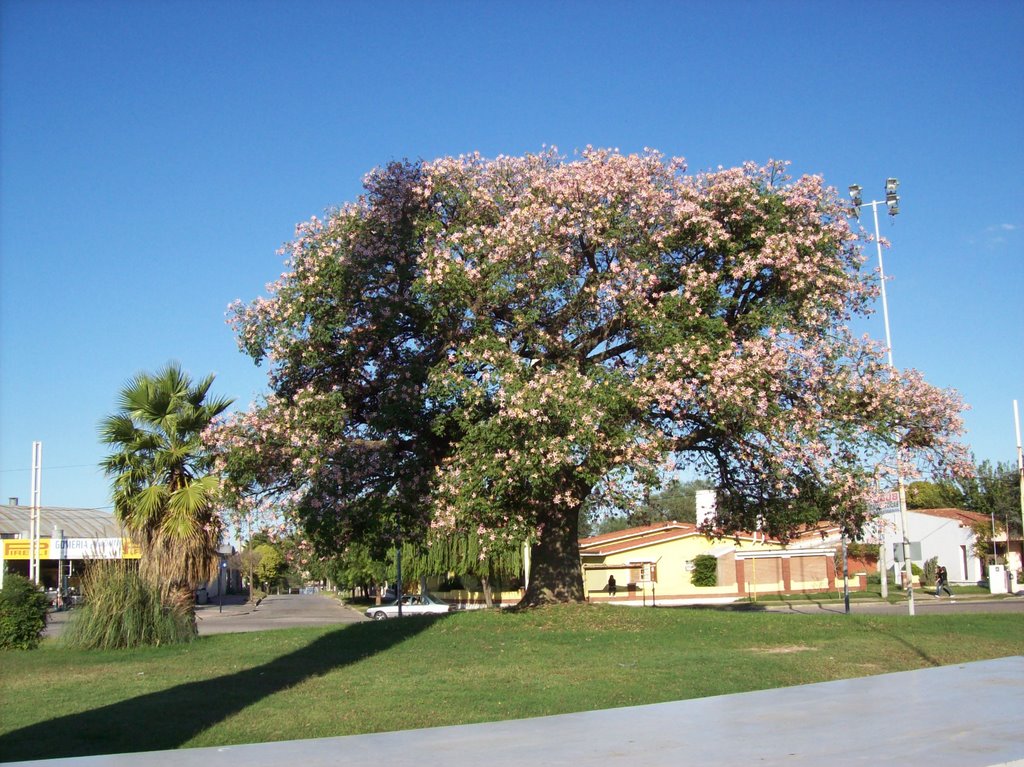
x=417, y=599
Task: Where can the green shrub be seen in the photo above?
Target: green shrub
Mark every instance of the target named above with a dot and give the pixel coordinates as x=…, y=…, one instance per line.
x=22, y=613
x=864, y=552
x=122, y=610
x=930, y=567
x=705, y=570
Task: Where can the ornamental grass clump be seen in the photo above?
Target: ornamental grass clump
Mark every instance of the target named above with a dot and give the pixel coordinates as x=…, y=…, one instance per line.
x=22, y=613
x=122, y=610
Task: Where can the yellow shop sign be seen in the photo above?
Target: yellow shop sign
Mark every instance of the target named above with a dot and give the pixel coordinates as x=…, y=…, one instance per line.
x=73, y=548
x=20, y=548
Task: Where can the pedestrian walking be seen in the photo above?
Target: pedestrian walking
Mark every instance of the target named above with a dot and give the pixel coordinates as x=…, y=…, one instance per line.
x=941, y=582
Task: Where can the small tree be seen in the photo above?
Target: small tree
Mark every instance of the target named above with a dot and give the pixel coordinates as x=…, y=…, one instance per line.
x=270, y=566
x=246, y=561
x=934, y=495
x=22, y=613
x=161, y=480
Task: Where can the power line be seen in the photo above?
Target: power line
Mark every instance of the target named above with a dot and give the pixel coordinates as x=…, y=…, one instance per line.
x=54, y=468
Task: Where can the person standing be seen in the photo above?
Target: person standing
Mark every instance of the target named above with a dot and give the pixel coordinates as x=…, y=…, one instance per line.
x=941, y=582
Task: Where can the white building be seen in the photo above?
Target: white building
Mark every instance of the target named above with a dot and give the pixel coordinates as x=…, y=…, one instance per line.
x=944, y=533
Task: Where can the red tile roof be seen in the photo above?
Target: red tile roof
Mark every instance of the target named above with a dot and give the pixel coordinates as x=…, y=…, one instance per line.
x=638, y=542
x=966, y=518
x=634, y=532
x=638, y=537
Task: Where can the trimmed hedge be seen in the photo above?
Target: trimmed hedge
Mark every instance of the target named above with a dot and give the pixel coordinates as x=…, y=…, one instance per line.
x=705, y=570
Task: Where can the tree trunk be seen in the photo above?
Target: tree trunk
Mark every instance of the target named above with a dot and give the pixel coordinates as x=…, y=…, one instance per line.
x=485, y=584
x=556, y=575
x=181, y=598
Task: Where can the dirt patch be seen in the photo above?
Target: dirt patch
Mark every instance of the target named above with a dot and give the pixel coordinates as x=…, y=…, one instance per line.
x=780, y=650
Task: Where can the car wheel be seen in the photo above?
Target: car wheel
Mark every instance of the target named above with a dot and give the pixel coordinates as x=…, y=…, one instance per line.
x=380, y=615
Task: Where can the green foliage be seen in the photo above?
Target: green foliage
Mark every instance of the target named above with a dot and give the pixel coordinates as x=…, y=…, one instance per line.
x=982, y=540
x=123, y=610
x=995, y=491
x=930, y=567
x=934, y=495
x=271, y=564
x=677, y=502
x=464, y=554
x=705, y=570
x=161, y=475
x=246, y=561
x=22, y=613
x=865, y=552
x=487, y=345
x=607, y=523
x=355, y=567
x=916, y=569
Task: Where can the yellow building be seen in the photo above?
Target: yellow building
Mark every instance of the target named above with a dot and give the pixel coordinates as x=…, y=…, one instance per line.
x=654, y=564
x=68, y=539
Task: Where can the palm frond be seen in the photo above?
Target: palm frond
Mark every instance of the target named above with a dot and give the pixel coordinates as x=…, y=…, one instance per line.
x=161, y=491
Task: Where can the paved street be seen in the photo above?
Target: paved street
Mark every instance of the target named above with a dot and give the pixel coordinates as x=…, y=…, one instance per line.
x=274, y=612
x=288, y=610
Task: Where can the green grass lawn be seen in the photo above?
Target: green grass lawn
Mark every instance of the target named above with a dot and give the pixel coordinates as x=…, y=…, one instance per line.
x=466, y=667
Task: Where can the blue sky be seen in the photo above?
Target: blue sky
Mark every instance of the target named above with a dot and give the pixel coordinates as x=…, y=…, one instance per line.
x=155, y=155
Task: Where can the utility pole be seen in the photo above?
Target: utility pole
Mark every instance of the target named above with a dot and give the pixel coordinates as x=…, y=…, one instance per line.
x=35, y=513
x=892, y=202
x=1020, y=482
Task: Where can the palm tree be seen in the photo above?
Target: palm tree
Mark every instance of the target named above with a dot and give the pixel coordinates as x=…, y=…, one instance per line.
x=162, y=485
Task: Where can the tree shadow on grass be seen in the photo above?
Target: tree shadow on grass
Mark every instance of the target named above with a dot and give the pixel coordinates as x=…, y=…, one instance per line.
x=170, y=718
x=896, y=638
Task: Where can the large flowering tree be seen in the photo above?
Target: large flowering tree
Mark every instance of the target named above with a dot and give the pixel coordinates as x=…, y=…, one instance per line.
x=486, y=345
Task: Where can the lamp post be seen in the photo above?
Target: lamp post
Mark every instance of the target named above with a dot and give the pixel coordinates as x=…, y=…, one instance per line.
x=892, y=203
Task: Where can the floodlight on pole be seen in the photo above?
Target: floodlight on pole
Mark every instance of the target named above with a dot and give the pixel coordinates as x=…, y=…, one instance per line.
x=857, y=200
x=892, y=203
x=892, y=200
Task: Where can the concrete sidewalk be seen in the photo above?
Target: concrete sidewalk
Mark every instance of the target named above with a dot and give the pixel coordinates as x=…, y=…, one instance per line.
x=971, y=715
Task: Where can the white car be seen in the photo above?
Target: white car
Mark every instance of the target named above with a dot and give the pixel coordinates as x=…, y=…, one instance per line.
x=412, y=604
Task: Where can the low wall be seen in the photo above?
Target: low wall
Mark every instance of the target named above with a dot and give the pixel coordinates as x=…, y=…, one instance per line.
x=466, y=599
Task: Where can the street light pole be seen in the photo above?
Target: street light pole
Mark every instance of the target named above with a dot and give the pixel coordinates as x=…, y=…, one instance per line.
x=1020, y=482
x=892, y=202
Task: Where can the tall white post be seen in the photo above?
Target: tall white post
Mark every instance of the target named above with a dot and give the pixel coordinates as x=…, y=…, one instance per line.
x=34, y=521
x=1020, y=480
x=901, y=489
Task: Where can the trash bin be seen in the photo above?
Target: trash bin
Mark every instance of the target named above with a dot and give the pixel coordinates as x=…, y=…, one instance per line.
x=997, y=579
x=202, y=596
